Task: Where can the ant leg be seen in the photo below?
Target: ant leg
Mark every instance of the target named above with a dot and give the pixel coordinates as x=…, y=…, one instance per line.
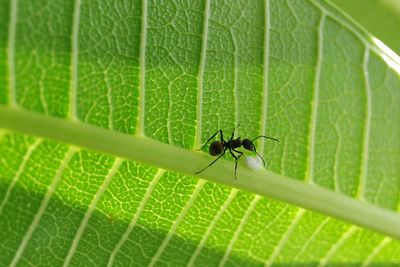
x=267, y=137
x=222, y=137
x=236, y=158
x=223, y=153
x=233, y=132
x=209, y=139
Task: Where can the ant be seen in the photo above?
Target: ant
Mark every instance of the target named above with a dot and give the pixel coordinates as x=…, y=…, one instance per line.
x=219, y=147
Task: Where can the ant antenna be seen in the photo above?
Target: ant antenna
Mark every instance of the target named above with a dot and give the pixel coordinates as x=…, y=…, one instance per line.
x=234, y=128
x=267, y=137
x=261, y=158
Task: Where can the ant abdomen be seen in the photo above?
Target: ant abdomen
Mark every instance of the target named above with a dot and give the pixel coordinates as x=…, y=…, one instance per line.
x=216, y=148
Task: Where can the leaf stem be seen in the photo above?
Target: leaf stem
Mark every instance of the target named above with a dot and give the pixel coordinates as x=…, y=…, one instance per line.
x=145, y=150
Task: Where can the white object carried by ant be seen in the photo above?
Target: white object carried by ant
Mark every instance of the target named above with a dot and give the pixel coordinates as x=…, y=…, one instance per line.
x=254, y=163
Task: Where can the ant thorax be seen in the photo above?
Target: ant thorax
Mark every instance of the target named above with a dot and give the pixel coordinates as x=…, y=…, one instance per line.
x=235, y=143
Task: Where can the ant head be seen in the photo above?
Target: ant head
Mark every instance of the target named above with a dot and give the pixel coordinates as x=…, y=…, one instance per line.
x=248, y=144
x=216, y=148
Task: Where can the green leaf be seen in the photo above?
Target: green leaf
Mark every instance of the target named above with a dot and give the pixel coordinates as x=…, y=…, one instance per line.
x=103, y=105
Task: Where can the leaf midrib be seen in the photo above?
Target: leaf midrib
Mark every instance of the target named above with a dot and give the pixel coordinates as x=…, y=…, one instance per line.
x=143, y=149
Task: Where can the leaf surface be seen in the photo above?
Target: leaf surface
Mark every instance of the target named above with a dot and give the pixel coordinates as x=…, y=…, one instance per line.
x=104, y=103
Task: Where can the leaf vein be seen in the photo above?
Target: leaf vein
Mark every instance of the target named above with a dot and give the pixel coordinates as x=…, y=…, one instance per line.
x=21, y=168
x=12, y=28
x=310, y=239
x=89, y=212
x=171, y=232
x=110, y=105
x=200, y=79
x=335, y=247
x=376, y=251
x=136, y=216
x=74, y=60
x=366, y=132
x=43, y=205
x=217, y=217
x=239, y=230
x=285, y=237
x=142, y=70
x=314, y=104
x=264, y=105
x=235, y=79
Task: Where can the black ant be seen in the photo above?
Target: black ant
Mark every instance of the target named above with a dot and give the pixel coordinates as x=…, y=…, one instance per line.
x=219, y=147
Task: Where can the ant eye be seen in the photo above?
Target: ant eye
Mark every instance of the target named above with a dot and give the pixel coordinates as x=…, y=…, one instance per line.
x=216, y=148
x=247, y=144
